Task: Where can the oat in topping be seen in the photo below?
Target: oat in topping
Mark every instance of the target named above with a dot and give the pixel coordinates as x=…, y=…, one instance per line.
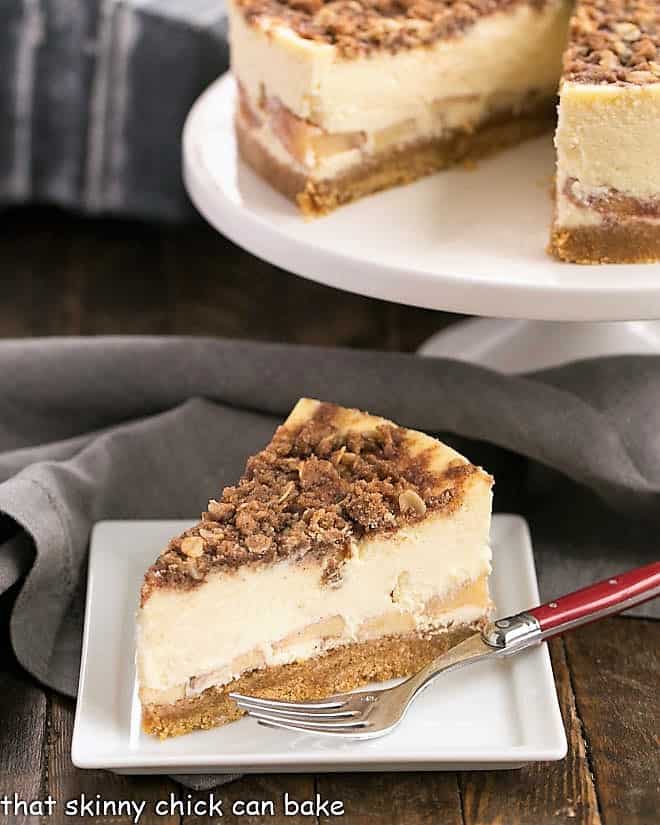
x=410, y=500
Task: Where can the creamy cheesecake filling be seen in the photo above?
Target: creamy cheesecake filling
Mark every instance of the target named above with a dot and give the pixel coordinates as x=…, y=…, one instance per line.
x=509, y=53
x=605, y=138
x=393, y=576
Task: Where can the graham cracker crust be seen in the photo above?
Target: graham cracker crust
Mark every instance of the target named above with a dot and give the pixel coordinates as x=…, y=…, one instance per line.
x=395, y=167
x=628, y=242
x=342, y=669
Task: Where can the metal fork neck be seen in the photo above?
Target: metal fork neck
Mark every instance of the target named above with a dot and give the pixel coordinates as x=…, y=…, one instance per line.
x=512, y=633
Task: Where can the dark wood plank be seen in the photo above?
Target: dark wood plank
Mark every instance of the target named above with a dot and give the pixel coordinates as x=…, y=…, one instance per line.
x=222, y=290
x=555, y=792
x=17, y=263
x=65, y=782
x=614, y=667
x=394, y=798
x=256, y=789
x=120, y=281
x=37, y=296
x=70, y=275
x=22, y=731
x=23, y=719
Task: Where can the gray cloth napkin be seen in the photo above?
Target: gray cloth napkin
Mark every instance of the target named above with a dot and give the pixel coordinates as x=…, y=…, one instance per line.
x=110, y=428
x=93, y=98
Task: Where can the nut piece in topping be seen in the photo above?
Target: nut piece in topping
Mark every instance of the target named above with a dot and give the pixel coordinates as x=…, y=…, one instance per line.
x=211, y=535
x=410, y=500
x=220, y=511
x=258, y=544
x=192, y=546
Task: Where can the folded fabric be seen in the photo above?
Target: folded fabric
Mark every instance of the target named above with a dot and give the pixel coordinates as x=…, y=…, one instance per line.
x=93, y=98
x=109, y=428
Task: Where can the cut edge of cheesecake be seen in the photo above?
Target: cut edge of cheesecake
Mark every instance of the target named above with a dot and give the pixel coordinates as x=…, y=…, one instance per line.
x=438, y=84
x=607, y=186
x=351, y=551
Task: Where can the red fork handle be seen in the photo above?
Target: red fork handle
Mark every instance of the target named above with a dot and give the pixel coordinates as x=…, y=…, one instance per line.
x=598, y=600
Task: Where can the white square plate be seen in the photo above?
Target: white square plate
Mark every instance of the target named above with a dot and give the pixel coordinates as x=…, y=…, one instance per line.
x=497, y=714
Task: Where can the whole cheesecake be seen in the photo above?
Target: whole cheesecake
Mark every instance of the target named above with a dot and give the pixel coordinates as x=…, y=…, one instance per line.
x=351, y=550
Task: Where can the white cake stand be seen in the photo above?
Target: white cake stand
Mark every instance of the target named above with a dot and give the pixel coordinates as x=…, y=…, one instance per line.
x=469, y=241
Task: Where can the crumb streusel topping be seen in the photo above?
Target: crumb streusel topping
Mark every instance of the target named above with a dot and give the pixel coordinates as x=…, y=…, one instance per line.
x=311, y=491
x=614, y=41
x=359, y=27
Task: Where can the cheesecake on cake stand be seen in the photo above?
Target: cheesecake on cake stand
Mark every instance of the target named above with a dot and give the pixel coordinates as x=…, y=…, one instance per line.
x=445, y=194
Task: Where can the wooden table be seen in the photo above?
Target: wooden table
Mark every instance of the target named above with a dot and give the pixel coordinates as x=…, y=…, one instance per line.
x=63, y=275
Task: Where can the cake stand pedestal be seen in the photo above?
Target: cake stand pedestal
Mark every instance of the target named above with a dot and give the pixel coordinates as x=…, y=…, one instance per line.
x=463, y=241
x=524, y=346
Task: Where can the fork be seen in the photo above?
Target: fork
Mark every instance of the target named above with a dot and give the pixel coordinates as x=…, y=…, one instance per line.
x=371, y=713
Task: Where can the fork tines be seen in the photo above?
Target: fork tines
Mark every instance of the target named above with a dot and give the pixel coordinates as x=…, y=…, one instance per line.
x=340, y=715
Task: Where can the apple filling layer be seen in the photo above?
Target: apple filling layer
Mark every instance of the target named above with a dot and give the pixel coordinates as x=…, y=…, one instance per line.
x=307, y=148
x=609, y=203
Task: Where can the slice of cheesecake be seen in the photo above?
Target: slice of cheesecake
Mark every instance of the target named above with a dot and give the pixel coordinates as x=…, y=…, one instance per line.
x=608, y=135
x=350, y=551
x=342, y=98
